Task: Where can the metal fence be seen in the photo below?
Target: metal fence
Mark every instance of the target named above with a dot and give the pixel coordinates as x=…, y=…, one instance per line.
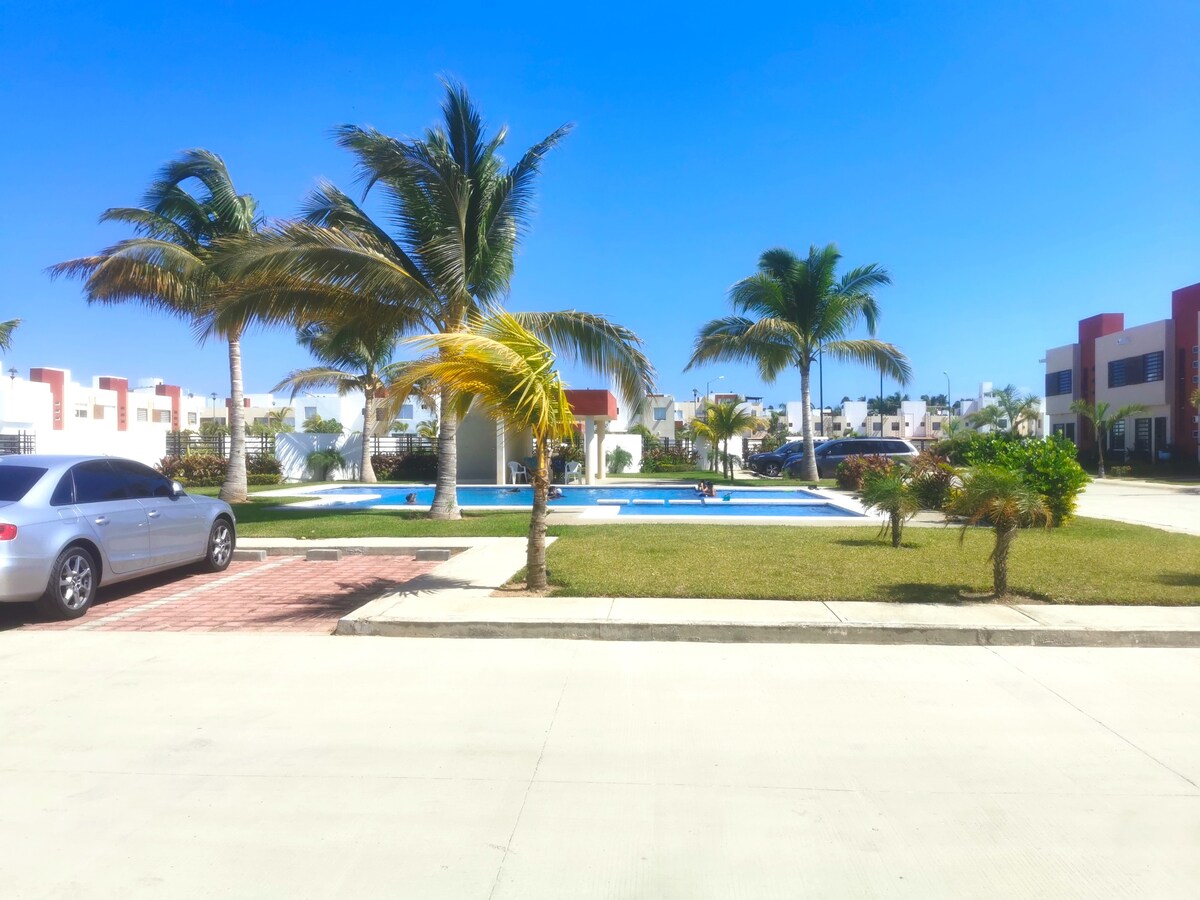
x=21, y=443
x=402, y=443
x=182, y=443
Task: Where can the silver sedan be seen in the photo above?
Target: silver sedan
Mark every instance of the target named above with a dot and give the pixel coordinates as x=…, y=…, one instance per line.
x=71, y=523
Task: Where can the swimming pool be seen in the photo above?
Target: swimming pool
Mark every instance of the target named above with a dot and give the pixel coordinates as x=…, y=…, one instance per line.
x=745, y=508
x=364, y=496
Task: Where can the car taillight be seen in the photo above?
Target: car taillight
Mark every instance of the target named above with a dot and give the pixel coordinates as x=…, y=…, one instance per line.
x=8, y=532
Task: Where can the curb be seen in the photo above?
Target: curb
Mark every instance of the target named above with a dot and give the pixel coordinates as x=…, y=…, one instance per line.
x=735, y=633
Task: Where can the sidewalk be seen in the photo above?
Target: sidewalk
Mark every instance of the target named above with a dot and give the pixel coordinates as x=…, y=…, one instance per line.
x=456, y=601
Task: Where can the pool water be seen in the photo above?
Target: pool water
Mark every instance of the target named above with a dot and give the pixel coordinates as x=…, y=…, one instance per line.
x=629, y=500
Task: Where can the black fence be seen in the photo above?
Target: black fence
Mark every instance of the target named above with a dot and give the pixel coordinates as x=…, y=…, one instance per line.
x=402, y=443
x=21, y=443
x=182, y=443
x=674, y=445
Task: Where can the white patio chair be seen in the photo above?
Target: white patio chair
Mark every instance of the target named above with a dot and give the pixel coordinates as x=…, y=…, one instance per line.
x=574, y=471
x=517, y=472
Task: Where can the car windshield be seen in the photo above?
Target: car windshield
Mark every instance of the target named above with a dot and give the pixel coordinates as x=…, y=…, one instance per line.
x=15, y=481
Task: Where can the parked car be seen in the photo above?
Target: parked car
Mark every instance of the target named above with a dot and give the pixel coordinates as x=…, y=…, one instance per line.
x=771, y=462
x=71, y=523
x=831, y=453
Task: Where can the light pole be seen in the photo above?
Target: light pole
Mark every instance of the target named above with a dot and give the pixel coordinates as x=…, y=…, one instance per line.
x=214, y=412
x=707, y=389
x=821, y=383
x=949, y=408
x=881, y=402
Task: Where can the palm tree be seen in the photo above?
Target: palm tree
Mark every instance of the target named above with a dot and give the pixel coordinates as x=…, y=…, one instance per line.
x=1000, y=498
x=428, y=429
x=458, y=214
x=355, y=361
x=510, y=375
x=6, y=333
x=891, y=494
x=726, y=420
x=791, y=311
x=170, y=266
x=1103, y=420
x=1009, y=410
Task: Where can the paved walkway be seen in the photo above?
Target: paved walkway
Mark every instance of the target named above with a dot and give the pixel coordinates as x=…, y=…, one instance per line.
x=267, y=765
x=1170, y=507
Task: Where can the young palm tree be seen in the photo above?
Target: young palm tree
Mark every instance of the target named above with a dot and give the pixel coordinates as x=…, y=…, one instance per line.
x=170, y=266
x=1102, y=421
x=1010, y=407
x=354, y=362
x=6, y=333
x=1000, y=498
x=891, y=494
x=509, y=373
x=724, y=421
x=790, y=312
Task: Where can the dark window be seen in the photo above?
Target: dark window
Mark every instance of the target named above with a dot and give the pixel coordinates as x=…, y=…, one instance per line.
x=1117, y=376
x=142, y=481
x=937, y=426
x=1116, y=436
x=64, y=493
x=896, y=446
x=895, y=426
x=1152, y=366
x=96, y=482
x=1160, y=436
x=1141, y=436
x=1058, y=383
x=1069, y=432
x=15, y=481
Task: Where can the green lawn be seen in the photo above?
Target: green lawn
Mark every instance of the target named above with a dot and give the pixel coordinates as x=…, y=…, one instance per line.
x=1090, y=561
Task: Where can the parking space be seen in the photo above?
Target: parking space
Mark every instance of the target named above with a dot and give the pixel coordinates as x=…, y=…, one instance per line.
x=285, y=593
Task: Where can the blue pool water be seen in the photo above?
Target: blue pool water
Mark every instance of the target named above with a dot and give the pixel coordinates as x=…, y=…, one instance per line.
x=630, y=500
x=522, y=495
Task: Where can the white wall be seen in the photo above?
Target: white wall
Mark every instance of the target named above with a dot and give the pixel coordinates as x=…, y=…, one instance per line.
x=630, y=442
x=292, y=449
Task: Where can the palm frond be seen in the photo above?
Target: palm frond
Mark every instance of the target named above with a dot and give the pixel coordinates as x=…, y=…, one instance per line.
x=879, y=355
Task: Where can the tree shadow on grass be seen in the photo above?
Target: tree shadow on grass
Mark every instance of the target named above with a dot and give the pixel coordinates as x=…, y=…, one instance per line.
x=1179, y=579
x=885, y=542
x=925, y=592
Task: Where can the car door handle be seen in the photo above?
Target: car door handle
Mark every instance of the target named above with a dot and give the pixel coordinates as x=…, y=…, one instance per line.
x=101, y=520
x=153, y=514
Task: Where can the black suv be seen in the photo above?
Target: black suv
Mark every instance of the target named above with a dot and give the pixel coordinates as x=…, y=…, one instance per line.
x=772, y=463
x=831, y=453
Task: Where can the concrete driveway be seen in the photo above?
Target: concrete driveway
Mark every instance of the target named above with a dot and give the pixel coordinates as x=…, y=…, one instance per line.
x=260, y=765
x=1171, y=507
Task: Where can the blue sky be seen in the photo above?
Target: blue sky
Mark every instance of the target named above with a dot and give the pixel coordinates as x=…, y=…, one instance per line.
x=1016, y=166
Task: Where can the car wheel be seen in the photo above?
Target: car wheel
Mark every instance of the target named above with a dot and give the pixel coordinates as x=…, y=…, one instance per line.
x=72, y=585
x=220, y=546
x=772, y=469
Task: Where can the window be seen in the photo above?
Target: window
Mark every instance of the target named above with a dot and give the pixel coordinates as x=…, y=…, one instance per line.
x=1058, y=383
x=1117, y=376
x=895, y=426
x=660, y=414
x=937, y=426
x=406, y=411
x=837, y=426
x=143, y=415
x=142, y=481
x=1152, y=366
x=15, y=481
x=98, y=412
x=162, y=416
x=875, y=426
x=1136, y=369
x=81, y=414
x=1116, y=436
x=96, y=481
x=192, y=418
x=309, y=412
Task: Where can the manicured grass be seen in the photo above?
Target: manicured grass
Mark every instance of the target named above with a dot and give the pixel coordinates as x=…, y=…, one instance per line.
x=1090, y=561
x=266, y=517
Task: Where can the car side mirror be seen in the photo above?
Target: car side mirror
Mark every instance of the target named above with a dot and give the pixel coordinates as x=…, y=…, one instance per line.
x=177, y=490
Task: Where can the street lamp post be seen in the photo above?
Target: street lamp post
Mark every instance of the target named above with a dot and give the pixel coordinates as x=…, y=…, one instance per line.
x=707, y=389
x=821, y=388
x=881, y=402
x=949, y=408
x=214, y=411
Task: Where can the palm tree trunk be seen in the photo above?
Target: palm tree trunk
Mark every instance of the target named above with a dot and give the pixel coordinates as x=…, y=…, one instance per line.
x=445, y=498
x=366, y=471
x=810, y=457
x=1099, y=454
x=897, y=525
x=1004, y=540
x=535, y=547
x=234, y=488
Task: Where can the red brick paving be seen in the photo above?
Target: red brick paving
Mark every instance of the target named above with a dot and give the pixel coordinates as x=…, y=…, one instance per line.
x=285, y=593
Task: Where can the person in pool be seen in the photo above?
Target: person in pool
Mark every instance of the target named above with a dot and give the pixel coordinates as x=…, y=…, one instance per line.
x=709, y=489
x=410, y=498
x=555, y=493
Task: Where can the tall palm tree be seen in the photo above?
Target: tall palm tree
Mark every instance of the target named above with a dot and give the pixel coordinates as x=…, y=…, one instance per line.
x=1102, y=420
x=509, y=373
x=354, y=362
x=457, y=214
x=725, y=420
x=6, y=333
x=1009, y=411
x=170, y=266
x=1000, y=498
x=791, y=311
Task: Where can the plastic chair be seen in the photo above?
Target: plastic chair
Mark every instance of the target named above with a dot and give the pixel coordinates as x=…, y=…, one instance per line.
x=574, y=470
x=517, y=472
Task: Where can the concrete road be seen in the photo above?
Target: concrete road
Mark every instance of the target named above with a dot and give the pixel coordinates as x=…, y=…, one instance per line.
x=253, y=765
x=1171, y=507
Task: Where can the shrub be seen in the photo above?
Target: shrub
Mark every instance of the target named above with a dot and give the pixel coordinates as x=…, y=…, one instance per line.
x=656, y=459
x=416, y=466
x=851, y=472
x=892, y=494
x=322, y=462
x=194, y=469
x=618, y=460
x=1047, y=466
x=931, y=480
x=1120, y=471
